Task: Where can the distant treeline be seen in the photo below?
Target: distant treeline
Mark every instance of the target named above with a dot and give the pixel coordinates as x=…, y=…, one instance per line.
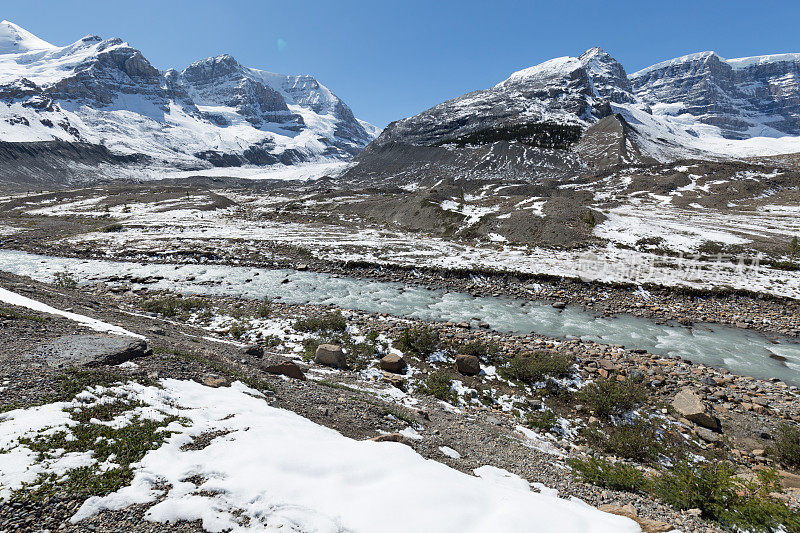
x=539, y=134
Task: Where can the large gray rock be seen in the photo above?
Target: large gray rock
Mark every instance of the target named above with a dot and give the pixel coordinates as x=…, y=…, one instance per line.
x=691, y=407
x=392, y=363
x=285, y=368
x=91, y=350
x=330, y=355
x=469, y=365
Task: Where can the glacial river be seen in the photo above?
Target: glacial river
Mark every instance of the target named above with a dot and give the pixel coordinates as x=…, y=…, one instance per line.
x=740, y=351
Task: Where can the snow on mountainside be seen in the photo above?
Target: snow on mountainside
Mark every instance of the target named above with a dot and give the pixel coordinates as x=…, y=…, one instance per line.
x=215, y=112
x=745, y=97
x=574, y=114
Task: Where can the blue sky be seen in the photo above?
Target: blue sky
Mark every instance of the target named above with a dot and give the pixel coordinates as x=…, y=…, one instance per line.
x=389, y=60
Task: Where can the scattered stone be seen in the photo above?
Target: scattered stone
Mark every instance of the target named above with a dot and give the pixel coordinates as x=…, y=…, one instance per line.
x=394, y=380
x=214, y=381
x=392, y=363
x=708, y=436
x=559, y=305
x=691, y=407
x=469, y=365
x=390, y=437
x=330, y=355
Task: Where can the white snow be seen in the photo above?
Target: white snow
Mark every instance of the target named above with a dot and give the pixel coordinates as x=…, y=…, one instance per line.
x=272, y=469
x=97, y=325
x=449, y=452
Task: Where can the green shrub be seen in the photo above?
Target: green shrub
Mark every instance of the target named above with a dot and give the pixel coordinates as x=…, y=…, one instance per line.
x=333, y=321
x=638, y=441
x=238, y=329
x=264, y=309
x=542, y=420
x=65, y=280
x=310, y=348
x=786, y=449
x=721, y=496
x=607, y=397
x=615, y=476
x=418, y=341
x=438, y=384
x=532, y=368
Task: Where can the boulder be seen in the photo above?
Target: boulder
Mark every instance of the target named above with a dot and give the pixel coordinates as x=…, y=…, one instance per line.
x=330, y=355
x=559, y=305
x=91, y=350
x=286, y=368
x=392, y=363
x=469, y=365
x=691, y=407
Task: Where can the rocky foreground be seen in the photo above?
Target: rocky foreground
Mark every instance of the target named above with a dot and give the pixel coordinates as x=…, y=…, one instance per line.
x=601, y=423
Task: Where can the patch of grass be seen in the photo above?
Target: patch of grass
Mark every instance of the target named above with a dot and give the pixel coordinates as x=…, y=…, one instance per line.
x=533, y=368
x=638, y=441
x=170, y=306
x=65, y=280
x=438, y=384
x=329, y=322
x=421, y=341
x=542, y=420
x=786, y=449
x=16, y=315
x=238, y=329
x=608, y=397
x=615, y=476
x=73, y=381
x=119, y=445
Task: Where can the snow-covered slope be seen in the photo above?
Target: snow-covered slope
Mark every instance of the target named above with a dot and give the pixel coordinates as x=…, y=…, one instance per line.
x=745, y=97
x=574, y=114
x=215, y=112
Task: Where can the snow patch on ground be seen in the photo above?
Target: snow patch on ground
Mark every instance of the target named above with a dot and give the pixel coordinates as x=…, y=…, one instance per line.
x=13, y=298
x=271, y=468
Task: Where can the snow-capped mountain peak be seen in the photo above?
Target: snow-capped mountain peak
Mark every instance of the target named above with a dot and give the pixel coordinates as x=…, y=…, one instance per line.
x=215, y=111
x=17, y=40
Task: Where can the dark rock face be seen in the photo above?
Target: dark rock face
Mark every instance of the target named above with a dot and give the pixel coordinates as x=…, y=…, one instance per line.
x=91, y=350
x=221, y=80
x=741, y=96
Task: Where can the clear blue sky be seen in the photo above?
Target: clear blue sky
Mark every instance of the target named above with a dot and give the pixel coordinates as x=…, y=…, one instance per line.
x=389, y=60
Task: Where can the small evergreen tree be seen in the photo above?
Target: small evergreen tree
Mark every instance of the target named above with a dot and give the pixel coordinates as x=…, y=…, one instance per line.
x=794, y=247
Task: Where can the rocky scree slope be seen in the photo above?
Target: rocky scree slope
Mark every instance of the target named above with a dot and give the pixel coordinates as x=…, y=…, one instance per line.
x=215, y=112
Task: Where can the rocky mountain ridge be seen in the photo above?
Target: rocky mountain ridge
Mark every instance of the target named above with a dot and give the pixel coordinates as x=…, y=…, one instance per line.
x=574, y=115
x=215, y=112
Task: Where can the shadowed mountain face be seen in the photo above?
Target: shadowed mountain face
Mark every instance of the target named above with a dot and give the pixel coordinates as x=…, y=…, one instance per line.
x=215, y=112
